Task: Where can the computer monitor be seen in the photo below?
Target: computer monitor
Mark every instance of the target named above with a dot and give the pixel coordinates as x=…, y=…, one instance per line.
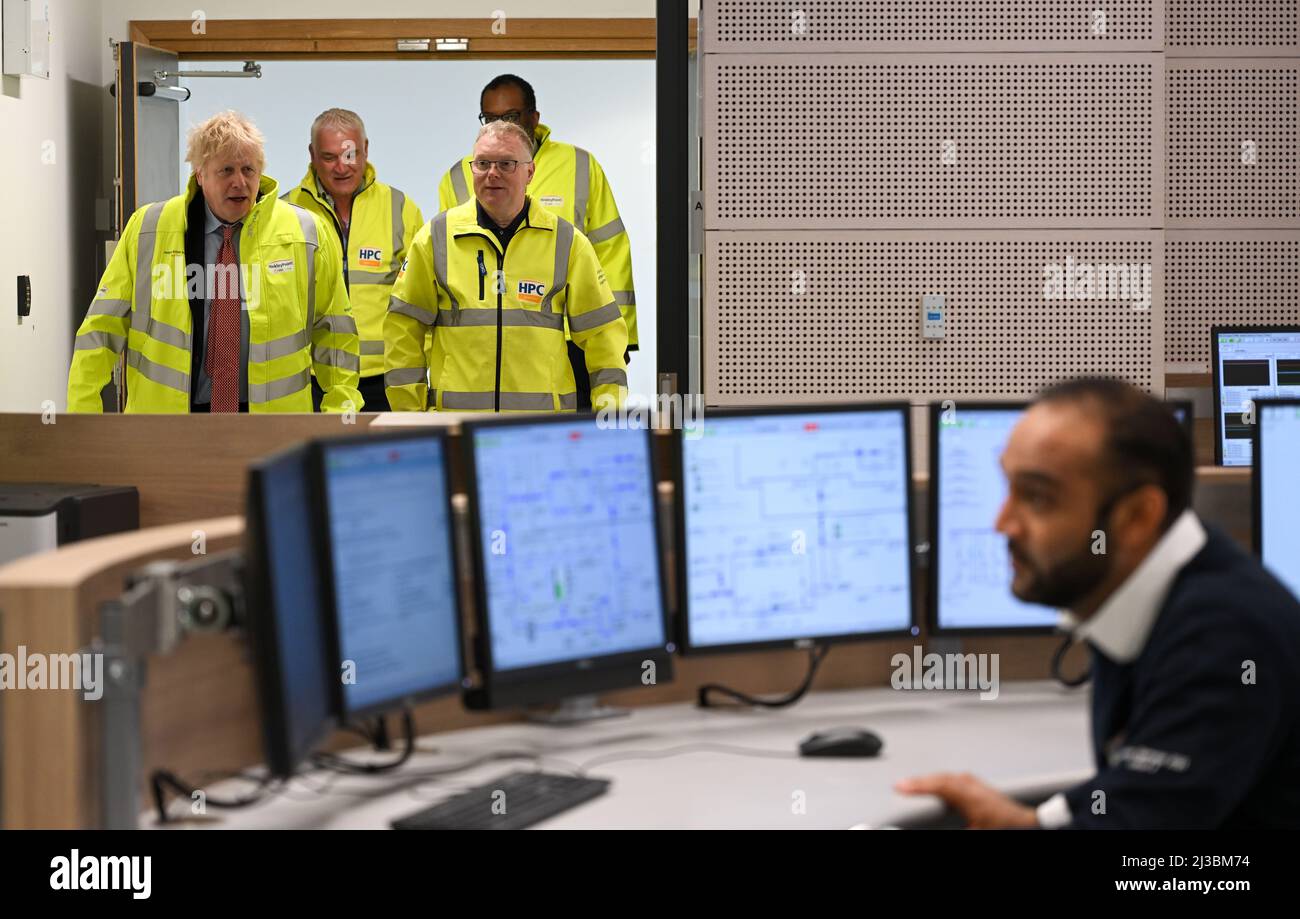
x=1277, y=489
x=565, y=536
x=285, y=611
x=970, y=569
x=794, y=527
x=1250, y=363
x=391, y=583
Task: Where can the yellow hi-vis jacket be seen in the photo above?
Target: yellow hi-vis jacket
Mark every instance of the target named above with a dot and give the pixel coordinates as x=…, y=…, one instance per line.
x=569, y=183
x=299, y=317
x=498, y=318
x=384, y=221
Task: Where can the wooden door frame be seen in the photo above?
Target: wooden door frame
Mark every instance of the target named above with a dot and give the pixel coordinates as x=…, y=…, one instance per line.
x=376, y=39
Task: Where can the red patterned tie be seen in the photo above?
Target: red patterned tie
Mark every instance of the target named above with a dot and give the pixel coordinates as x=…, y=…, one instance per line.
x=222, y=358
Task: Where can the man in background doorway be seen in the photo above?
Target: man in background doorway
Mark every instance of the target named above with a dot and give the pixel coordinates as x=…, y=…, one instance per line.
x=374, y=223
x=570, y=183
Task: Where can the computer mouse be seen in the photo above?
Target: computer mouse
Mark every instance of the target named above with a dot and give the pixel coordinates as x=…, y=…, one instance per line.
x=842, y=742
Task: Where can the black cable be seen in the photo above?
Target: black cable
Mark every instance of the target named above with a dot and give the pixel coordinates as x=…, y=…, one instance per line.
x=163, y=779
x=1059, y=657
x=816, y=655
x=351, y=767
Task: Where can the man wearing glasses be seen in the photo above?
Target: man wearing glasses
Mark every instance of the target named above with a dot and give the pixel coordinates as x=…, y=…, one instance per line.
x=498, y=279
x=568, y=182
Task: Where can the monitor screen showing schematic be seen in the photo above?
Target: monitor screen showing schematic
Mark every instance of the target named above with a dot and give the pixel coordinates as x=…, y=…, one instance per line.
x=797, y=527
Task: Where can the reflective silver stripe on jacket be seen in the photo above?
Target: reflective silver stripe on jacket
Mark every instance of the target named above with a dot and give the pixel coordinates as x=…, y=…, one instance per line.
x=115, y=308
x=510, y=401
x=260, y=393
x=281, y=347
x=609, y=376
x=144, y=252
x=586, y=321
x=406, y=376
x=90, y=341
x=308, y=223
x=418, y=313
x=608, y=231
x=560, y=273
x=509, y=318
x=581, y=187
x=158, y=373
x=399, y=230
x=458, y=186
x=438, y=232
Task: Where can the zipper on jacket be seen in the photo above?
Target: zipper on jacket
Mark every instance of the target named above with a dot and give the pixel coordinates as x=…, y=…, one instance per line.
x=482, y=273
x=500, y=286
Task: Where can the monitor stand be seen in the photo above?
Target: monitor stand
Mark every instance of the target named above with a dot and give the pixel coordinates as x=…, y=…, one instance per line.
x=576, y=710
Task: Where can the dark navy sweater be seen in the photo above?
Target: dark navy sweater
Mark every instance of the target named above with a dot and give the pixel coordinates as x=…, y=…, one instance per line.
x=1202, y=730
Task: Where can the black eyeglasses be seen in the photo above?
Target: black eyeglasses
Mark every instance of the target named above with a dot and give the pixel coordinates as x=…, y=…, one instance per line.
x=514, y=117
x=483, y=167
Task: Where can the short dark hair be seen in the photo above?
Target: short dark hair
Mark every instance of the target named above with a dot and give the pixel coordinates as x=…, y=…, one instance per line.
x=1145, y=442
x=509, y=79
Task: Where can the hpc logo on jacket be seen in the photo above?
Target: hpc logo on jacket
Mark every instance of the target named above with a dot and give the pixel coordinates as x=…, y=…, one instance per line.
x=531, y=291
x=371, y=258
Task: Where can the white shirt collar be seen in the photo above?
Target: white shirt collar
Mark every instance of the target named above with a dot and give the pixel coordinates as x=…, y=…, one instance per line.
x=1121, y=627
x=213, y=223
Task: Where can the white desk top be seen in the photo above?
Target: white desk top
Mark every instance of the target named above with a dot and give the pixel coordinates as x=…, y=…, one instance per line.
x=677, y=766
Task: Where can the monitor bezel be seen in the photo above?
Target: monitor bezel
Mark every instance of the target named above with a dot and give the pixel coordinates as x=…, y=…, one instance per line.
x=1256, y=480
x=554, y=682
x=681, y=548
x=282, y=758
x=1217, y=386
x=436, y=691
x=933, y=626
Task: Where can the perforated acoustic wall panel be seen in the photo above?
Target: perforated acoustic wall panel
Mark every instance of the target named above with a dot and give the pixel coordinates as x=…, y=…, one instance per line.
x=1005, y=140
x=1226, y=277
x=1234, y=143
x=819, y=26
x=806, y=317
x=1206, y=28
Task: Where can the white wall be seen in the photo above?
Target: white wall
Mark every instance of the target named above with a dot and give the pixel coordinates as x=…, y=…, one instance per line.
x=50, y=159
x=421, y=117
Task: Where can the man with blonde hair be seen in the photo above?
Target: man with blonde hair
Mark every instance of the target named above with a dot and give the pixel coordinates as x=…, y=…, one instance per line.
x=225, y=298
x=374, y=224
x=497, y=278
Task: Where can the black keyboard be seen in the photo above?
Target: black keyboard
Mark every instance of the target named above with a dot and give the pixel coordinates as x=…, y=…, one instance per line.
x=512, y=802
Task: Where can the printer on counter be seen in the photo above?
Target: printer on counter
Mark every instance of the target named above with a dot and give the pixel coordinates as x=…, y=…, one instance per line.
x=39, y=516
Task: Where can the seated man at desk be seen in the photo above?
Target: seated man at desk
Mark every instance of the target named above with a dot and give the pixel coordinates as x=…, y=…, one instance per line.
x=1195, y=647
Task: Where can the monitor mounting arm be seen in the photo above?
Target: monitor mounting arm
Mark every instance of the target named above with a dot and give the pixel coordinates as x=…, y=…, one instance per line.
x=162, y=603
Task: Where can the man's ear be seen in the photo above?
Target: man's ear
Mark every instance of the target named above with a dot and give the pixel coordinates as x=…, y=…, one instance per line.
x=198, y=177
x=1142, y=513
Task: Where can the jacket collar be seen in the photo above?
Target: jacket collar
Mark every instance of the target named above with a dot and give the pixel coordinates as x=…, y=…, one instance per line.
x=267, y=193
x=463, y=220
x=311, y=184
x=541, y=134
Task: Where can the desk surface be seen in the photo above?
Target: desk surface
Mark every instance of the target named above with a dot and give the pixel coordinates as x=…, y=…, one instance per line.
x=677, y=766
